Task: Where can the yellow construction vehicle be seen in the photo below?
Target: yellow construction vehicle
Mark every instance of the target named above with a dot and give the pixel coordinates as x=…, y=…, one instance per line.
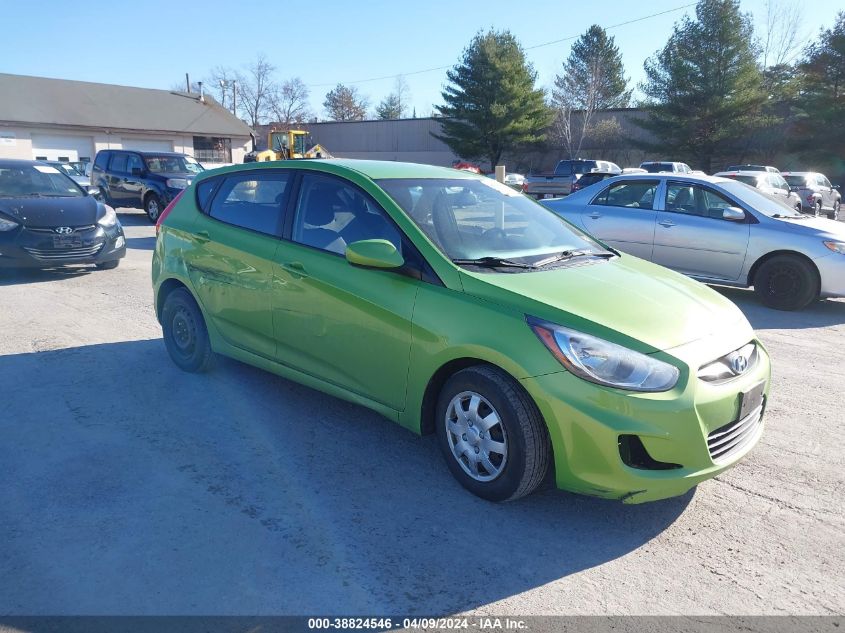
x=284, y=144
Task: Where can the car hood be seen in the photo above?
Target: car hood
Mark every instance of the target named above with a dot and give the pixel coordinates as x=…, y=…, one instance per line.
x=50, y=212
x=650, y=307
x=823, y=227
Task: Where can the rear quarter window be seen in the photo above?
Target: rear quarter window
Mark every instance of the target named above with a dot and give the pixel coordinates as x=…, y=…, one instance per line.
x=204, y=191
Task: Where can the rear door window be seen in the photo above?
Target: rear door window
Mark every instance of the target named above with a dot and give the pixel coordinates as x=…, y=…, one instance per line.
x=636, y=194
x=252, y=201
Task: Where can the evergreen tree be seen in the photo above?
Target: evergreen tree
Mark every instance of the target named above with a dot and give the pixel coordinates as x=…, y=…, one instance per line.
x=491, y=103
x=593, y=79
x=822, y=80
x=345, y=104
x=704, y=89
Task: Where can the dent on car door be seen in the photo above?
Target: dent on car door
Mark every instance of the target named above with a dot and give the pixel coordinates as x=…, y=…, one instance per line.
x=231, y=259
x=692, y=237
x=623, y=215
x=346, y=325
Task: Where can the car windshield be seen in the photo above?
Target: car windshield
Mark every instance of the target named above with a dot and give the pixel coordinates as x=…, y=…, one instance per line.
x=173, y=165
x=475, y=219
x=36, y=181
x=69, y=169
x=796, y=181
x=758, y=201
x=748, y=180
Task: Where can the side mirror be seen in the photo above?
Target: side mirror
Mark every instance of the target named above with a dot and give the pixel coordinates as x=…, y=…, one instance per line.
x=374, y=254
x=95, y=192
x=734, y=214
x=137, y=171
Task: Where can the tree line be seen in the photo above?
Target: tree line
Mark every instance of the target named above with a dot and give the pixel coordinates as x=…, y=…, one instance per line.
x=715, y=89
x=712, y=91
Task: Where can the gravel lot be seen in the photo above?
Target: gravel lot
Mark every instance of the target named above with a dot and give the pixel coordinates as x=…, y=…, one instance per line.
x=129, y=487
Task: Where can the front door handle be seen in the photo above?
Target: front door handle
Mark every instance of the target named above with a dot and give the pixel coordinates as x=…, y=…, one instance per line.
x=666, y=223
x=295, y=268
x=595, y=215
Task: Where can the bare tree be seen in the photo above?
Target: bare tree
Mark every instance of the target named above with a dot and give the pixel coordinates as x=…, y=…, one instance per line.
x=781, y=43
x=221, y=84
x=289, y=101
x=255, y=86
x=395, y=105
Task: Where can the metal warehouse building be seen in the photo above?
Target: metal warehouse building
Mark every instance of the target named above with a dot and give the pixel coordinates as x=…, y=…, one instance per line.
x=57, y=119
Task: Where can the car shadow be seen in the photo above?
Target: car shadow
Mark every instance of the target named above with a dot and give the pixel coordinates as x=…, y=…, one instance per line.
x=141, y=243
x=133, y=480
x=14, y=276
x=817, y=315
x=133, y=217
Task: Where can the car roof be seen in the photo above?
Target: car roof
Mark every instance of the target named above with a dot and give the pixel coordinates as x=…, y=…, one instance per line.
x=799, y=173
x=373, y=169
x=19, y=162
x=672, y=176
x=745, y=172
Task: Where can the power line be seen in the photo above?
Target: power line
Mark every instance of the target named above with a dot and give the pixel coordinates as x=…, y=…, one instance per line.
x=527, y=48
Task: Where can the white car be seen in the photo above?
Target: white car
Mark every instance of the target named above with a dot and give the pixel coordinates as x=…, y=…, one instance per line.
x=768, y=182
x=514, y=180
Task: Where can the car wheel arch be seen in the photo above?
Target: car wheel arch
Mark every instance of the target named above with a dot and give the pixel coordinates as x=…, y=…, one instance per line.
x=764, y=258
x=168, y=286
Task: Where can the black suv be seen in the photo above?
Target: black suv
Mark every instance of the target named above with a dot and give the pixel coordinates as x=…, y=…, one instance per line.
x=142, y=180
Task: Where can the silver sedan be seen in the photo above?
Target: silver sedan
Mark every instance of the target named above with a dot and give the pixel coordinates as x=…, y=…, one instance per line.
x=716, y=230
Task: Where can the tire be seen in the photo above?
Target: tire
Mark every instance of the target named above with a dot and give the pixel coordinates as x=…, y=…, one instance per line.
x=786, y=282
x=185, y=333
x=108, y=265
x=817, y=208
x=153, y=208
x=834, y=215
x=521, y=458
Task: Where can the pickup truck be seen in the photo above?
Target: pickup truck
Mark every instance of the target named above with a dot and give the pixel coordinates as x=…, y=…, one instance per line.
x=559, y=183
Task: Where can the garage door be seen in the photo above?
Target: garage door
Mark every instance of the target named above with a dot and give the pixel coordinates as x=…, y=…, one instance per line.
x=63, y=147
x=147, y=145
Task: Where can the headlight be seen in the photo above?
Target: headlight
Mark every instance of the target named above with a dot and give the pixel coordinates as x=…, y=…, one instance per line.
x=836, y=247
x=177, y=183
x=108, y=218
x=603, y=362
x=6, y=224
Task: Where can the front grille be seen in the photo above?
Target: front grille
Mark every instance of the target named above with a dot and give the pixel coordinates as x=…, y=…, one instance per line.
x=52, y=230
x=727, y=441
x=82, y=252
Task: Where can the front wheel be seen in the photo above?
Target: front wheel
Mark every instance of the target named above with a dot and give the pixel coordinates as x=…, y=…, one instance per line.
x=835, y=214
x=492, y=435
x=786, y=282
x=152, y=206
x=817, y=209
x=185, y=333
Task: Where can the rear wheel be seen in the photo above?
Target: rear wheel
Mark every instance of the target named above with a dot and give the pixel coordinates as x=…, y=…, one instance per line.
x=835, y=214
x=817, y=208
x=185, y=333
x=786, y=282
x=152, y=205
x=492, y=435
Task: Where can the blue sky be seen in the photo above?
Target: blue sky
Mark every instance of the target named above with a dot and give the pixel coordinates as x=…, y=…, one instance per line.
x=324, y=42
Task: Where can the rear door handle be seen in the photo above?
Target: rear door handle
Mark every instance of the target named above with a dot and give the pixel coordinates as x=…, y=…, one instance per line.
x=202, y=237
x=666, y=223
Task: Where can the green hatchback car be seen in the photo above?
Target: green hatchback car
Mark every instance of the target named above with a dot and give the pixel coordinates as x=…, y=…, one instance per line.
x=453, y=304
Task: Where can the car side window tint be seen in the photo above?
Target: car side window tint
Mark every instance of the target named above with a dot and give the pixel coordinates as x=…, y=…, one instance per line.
x=715, y=204
x=251, y=201
x=102, y=160
x=204, y=191
x=118, y=163
x=636, y=194
x=133, y=161
x=331, y=214
x=694, y=200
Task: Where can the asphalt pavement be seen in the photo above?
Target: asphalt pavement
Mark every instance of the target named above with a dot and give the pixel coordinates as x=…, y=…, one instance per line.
x=130, y=487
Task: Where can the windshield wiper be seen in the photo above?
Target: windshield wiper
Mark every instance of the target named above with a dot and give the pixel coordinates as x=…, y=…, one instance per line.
x=567, y=255
x=491, y=262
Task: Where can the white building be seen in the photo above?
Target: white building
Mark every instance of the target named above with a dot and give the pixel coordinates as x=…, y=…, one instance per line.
x=57, y=119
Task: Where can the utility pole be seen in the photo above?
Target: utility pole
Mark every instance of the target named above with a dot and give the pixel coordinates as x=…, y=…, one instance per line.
x=234, y=97
x=188, y=82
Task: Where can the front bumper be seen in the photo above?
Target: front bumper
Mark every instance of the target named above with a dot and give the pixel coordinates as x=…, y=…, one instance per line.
x=40, y=247
x=586, y=422
x=832, y=274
